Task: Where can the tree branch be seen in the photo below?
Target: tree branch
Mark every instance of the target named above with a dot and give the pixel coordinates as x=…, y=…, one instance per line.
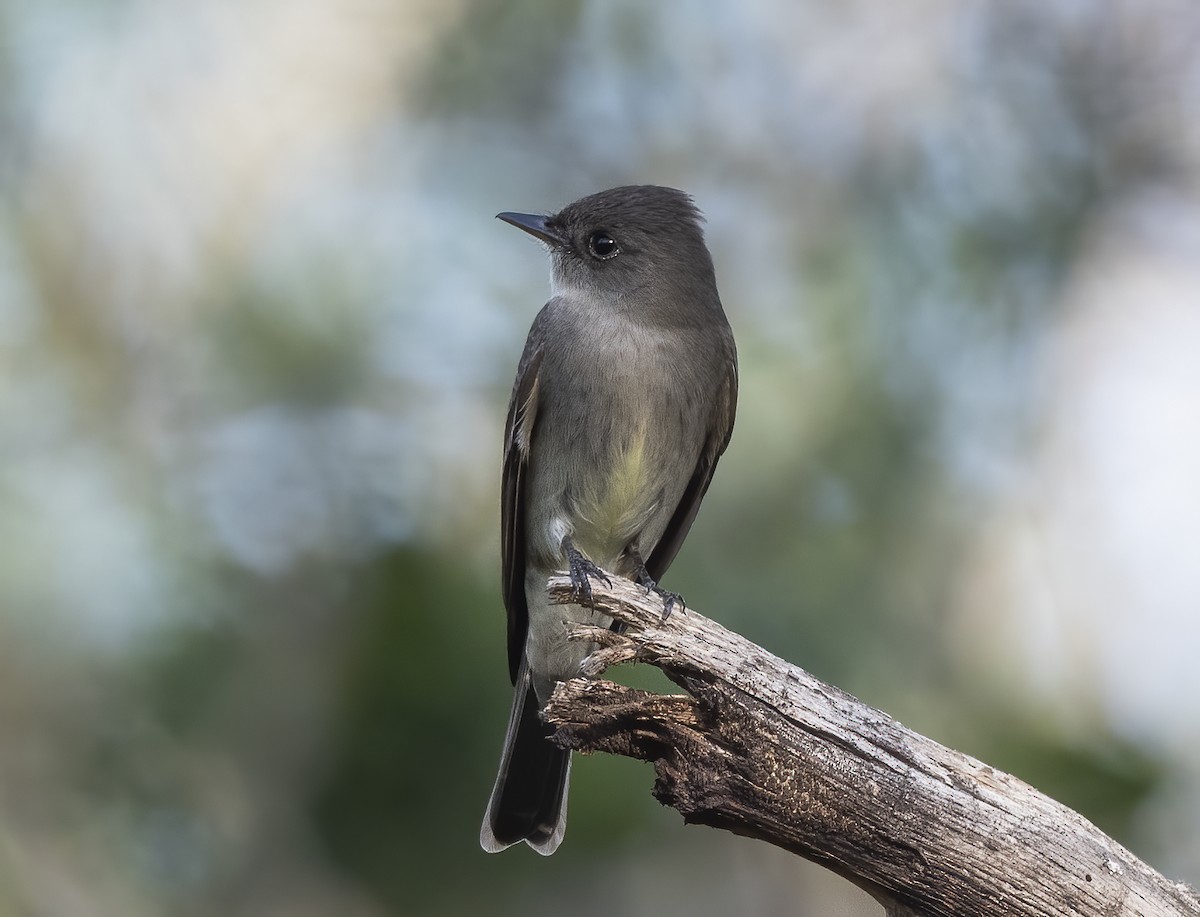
x=761, y=748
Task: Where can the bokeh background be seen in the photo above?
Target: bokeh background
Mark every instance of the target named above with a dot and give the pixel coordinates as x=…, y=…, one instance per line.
x=257, y=333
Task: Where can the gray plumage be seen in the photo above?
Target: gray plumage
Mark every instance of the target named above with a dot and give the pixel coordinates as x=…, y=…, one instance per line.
x=623, y=402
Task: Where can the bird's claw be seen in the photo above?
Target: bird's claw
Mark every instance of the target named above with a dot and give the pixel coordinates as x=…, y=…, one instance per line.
x=580, y=569
x=669, y=599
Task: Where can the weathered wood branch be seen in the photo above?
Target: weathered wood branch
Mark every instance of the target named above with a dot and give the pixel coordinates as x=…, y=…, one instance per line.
x=761, y=748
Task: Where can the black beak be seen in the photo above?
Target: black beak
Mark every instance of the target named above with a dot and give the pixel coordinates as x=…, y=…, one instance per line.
x=535, y=225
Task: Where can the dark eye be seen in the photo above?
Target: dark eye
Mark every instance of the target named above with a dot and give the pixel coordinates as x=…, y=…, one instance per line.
x=602, y=245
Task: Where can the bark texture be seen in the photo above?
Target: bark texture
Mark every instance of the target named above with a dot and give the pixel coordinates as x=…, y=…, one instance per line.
x=761, y=748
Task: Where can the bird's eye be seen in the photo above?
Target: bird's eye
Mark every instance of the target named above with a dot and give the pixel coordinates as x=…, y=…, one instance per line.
x=602, y=245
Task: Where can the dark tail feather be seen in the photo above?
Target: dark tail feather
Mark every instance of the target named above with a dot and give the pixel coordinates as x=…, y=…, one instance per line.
x=529, y=800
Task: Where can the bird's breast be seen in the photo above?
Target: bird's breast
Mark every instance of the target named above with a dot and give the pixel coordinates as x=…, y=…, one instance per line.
x=609, y=507
x=619, y=432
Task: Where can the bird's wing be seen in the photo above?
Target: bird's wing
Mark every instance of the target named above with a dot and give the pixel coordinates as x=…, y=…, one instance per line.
x=720, y=428
x=518, y=432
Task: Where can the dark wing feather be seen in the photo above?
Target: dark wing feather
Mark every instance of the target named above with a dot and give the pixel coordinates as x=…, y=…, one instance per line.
x=720, y=428
x=518, y=431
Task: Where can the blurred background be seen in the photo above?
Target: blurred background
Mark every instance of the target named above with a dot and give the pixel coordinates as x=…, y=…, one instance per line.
x=257, y=333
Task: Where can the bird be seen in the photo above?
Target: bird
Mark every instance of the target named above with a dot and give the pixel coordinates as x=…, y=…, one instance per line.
x=623, y=402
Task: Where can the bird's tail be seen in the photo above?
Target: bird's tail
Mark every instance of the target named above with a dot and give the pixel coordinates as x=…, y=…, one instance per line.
x=529, y=800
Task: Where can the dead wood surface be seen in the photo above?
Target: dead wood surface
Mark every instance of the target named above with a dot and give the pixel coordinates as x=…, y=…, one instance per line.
x=759, y=747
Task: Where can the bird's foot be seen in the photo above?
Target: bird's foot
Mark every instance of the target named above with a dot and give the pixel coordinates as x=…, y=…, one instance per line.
x=643, y=578
x=580, y=569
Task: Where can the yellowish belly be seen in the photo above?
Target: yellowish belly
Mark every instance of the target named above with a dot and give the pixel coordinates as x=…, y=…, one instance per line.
x=611, y=509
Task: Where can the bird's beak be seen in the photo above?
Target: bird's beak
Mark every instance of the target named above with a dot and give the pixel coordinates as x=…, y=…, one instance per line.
x=535, y=225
